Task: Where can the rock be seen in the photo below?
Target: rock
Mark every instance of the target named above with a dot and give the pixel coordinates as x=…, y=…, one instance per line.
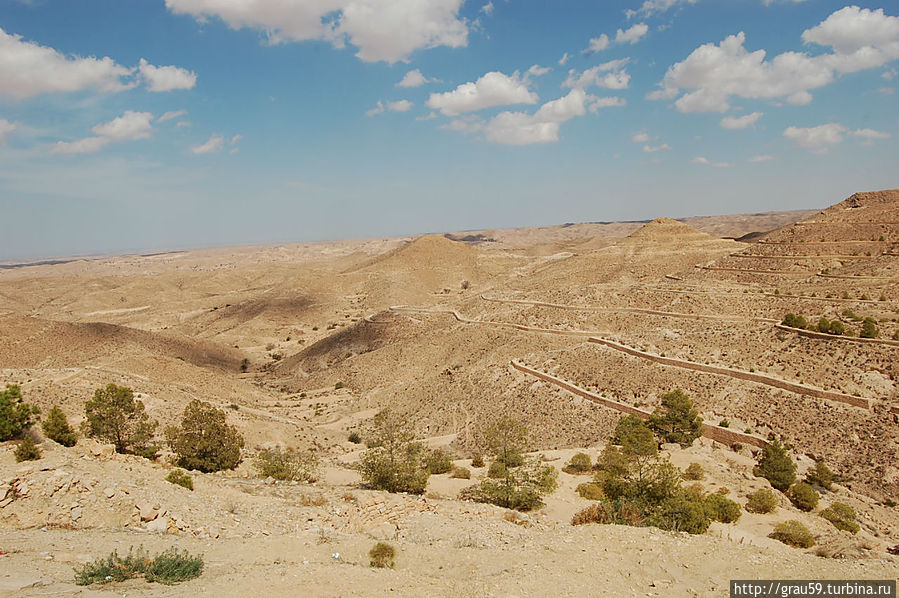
x=109, y=492
x=160, y=525
x=147, y=512
x=76, y=513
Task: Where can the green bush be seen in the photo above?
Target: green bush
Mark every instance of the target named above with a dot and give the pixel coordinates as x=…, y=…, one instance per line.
x=775, y=465
x=676, y=420
x=496, y=470
x=761, y=501
x=820, y=475
x=168, y=568
x=205, y=441
x=382, y=556
x=395, y=461
x=579, y=463
x=114, y=415
x=842, y=516
x=590, y=491
x=438, y=461
x=793, y=534
x=354, y=437
x=869, y=328
x=720, y=508
x=15, y=414
x=694, y=472
x=508, y=440
x=288, y=465
x=836, y=328
x=180, y=478
x=522, y=487
x=803, y=496
x=684, y=512
x=56, y=427
x=461, y=473
x=794, y=321
x=607, y=512
x=824, y=325
x=27, y=450
x=477, y=461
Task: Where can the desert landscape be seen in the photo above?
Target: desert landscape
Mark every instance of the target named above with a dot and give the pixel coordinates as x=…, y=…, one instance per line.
x=565, y=330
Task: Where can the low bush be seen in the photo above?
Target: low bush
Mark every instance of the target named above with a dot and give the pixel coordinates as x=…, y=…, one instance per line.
x=438, y=461
x=580, y=463
x=56, y=427
x=382, y=556
x=824, y=325
x=761, y=501
x=720, y=508
x=793, y=533
x=496, y=470
x=869, y=328
x=590, y=491
x=794, y=321
x=180, y=478
x=842, y=516
x=620, y=512
x=27, y=450
x=168, y=568
x=694, y=472
x=683, y=512
x=820, y=475
x=461, y=473
x=477, y=461
x=354, y=437
x=803, y=496
x=287, y=465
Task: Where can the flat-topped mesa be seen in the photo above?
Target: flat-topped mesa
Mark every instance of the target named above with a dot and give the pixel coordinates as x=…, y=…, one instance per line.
x=667, y=230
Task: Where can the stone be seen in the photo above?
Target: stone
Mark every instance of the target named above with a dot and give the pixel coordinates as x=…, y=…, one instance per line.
x=76, y=513
x=160, y=525
x=109, y=492
x=147, y=512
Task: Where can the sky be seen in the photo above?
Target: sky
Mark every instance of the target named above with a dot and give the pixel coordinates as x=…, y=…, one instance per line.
x=150, y=125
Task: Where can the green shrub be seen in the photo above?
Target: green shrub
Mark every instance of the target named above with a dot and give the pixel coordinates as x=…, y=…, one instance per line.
x=775, y=465
x=395, y=461
x=168, y=568
x=521, y=487
x=590, y=491
x=824, y=325
x=339, y=385
x=508, y=440
x=836, y=328
x=354, y=437
x=114, y=415
x=842, y=516
x=56, y=427
x=869, y=328
x=579, y=463
x=27, y=450
x=381, y=556
x=477, y=461
x=607, y=512
x=761, y=501
x=724, y=423
x=694, y=472
x=794, y=321
x=793, y=534
x=461, y=473
x=684, y=512
x=205, y=441
x=15, y=414
x=180, y=478
x=438, y=461
x=803, y=496
x=288, y=465
x=720, y=508
x=496, y=470
x=820, y=475
x=676, y=420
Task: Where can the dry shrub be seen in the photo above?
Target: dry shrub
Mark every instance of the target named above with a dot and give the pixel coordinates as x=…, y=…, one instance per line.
x=762, y=501
x=382, y=556
x=621, y=512
x=461, y=473
x=694, y=472
x=312, y=500
x=590, y=491
x=580, y=463
x=793, y=533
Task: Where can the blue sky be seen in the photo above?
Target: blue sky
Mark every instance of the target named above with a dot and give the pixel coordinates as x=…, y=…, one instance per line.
x=158, y=124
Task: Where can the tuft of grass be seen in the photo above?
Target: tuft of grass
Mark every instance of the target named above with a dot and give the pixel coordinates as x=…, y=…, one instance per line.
x=168, y=567
x=382, y=556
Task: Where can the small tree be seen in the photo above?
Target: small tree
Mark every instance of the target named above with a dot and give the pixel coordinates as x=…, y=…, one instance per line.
x=676, y=420
x=869, y=328
x=15, y=414
x=820, y=475
x=761, y=501
x=775, y=465
x=114, y=415
x=395, y=461
x=205, y=441
x=508, y=439
x=803, y=496
x=27, y=450
x=842, y=516
x=56, y=427
x=438, y=461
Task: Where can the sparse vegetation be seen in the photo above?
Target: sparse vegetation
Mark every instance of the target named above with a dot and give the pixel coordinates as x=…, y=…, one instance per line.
x=15, y=414
x=869, y=328
x=720, y=508
x=355, y=437
x=395, y=461
x=677, y=420
x=820, y=475
x=244, y=365
x=287, y=465
x=579, y=463
x=438, y=461
x=27, y=450
x=803, y=496
x=181, y=478
x=590, y=491
x=842, y=516
x=793, y=533
x=775, y=465
x=114, y=415
x=461, y=473
x=169, y=567
x=762, y=501
x=205, y=441
x=694, y=471
x=382, y=556
x=477, y=461
x=56, y=427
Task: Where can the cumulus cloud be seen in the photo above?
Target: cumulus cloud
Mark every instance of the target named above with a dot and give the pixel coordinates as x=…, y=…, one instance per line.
x=520, y=128
x=382, y=30
x=28, y=69
x=869, y=136
x=413, y=78
x=6, y=128
x=653, y=7
x=215, y=144
x=623, y=36
x=740, y=122
x=128, y=127
x=598, y=44
x=707, y=162
x=171, y=115
x=166, y=78
x=492, y=89
x=397, y=106
x=816, y=139
x=713, y=73
x=610, y=75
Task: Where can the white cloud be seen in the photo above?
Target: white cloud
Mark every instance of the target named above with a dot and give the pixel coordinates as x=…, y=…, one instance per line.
x=761, y=158
x=166, y=78
x=215, y=144
x=652, y=7
x=565, y=57
x=711, y=74
x=610, y=75
x=487, y=9
x=28, y=69
x=869, y=136
x=596, y=103
x=631, y=35
x=236, y=138
x=492, y=89
x=641, y=137
x=740, y=122
x=182, y=123
x=6, y=128
x=413, y=78
x=388, y=30
x=816, y=139
x=128, y=127
x=651, y=149
x=520, y=128
x=397, y=106
x=707, y=162
x=465, y=124
x=171, y=115
x=890, y=74
x=598, y=44
x=538, y=71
